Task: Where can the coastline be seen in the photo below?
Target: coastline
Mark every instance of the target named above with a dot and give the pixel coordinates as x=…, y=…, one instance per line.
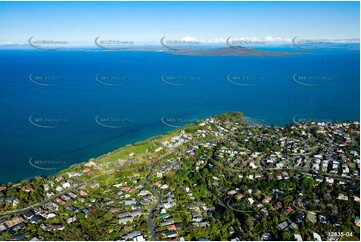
x=86, y=183
x=250, y=122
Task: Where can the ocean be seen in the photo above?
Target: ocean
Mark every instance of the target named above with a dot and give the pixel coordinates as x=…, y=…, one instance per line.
x=59, y=108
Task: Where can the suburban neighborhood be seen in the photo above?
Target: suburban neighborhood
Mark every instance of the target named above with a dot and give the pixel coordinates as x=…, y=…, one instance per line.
x=217, y=179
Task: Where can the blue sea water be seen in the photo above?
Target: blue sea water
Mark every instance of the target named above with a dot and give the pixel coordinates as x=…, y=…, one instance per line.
x=56, y=112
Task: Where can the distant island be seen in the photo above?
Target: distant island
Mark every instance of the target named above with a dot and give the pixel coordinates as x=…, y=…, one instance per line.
x=217, y=179
x=230, y=51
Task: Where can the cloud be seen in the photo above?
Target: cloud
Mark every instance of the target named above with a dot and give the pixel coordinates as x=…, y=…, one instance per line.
x=189, y=38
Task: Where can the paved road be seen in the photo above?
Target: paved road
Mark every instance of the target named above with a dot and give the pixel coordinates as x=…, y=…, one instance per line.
x=20, y=211
x=237, y=210
x=303, y=210
x=219, y=200
x=285, y=169
x=159, y=201
x=150, y=215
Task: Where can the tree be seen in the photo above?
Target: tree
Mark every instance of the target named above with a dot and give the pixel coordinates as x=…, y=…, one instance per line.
x=286, y=236
x=250, y=223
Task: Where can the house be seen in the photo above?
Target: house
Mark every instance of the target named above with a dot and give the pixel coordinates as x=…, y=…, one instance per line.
x=54, y=206
x=171, y=227
x=167, y=205
x=342, y=197
x=139, y=238
x=203, y=239
x=316, y=236
x=49, y=194
x=311, y=217
x=357, y=221
x=158, y=149
x=3, y=227
x=278, y=176
x=94, y=185
x=166, y=222
x=17, y=227
x=51, y=215
x=327, y=197
x=125, y=189
x=66, y=185
x=60, y=201
x=288, y=210
x=297, y=237
x=18, y=237
x=59, y=189
x=131, y=235
x=197, y=219
x=14, y=221
x=278, y=205
x=231, y=192
x=282, y=225
x=83, y=193
x=125, y=220
x=250, y=200
x=41, y=211
x=65, y=197
x=329, y=180
x=292, y=226
x=71, y=220
x=238, y=196
x=9, y=200
x=53, y=227
x=318, y=178
x=202, y=225
x=72, y=195
x=143, y=192
x=165, y=186
x=285, y=175
x=266, y=199
x=323, y=219
x=85, y=211
x=266, y=237
x=136, y=213
x=257, y=175
x=27, y=189
x=72, y=174
x=170, y=234
x=36, y=219
x=107, y=203
x=299, y=218
x=114, y=210
x=28, y=214
x=124, y=214
x=130, y=202
x=332, y=208
x=334, y=221
x=163, y=216
x=15, y=202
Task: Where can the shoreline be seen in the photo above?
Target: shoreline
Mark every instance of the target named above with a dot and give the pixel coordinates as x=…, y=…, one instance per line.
x=251, y=123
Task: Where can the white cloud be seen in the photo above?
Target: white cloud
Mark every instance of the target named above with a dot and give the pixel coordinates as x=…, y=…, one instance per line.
x=189, y=38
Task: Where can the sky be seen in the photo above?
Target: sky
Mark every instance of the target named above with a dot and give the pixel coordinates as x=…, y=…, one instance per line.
x=149, y=21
